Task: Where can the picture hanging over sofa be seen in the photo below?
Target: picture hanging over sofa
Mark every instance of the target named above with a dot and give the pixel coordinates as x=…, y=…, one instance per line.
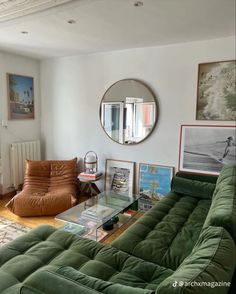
x=216, y=95
x=205, y=149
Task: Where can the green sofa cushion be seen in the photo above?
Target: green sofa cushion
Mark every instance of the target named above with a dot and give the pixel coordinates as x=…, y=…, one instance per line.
x=157, y=236
x=50, y=282
x=212, y=259
x=99, y=285
x=198, y=177
x=45, y=245
x=192, y=188
x=223, y=208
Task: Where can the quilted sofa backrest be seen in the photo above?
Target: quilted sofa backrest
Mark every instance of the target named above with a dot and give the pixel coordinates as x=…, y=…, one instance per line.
x=37, y=173
x=63, y=172
x=49, y=173
x=222, y=212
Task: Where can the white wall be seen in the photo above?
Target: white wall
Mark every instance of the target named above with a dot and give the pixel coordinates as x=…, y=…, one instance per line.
x=72, y=88
x=17, y=130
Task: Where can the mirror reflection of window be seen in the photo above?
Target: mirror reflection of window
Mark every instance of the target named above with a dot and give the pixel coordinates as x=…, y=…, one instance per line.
x=112, y=120
x=144, y=118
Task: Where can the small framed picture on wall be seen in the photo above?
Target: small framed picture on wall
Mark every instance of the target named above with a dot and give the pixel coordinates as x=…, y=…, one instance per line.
x=205, y=149
x=119, y=176
x=216, y=92
x=20, y=97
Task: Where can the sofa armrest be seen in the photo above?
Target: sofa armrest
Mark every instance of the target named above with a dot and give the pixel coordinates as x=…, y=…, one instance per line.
x=211, y=261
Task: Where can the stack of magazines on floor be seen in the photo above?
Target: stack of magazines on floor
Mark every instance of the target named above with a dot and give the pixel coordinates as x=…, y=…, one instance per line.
x=90, y=177
x=98, y=213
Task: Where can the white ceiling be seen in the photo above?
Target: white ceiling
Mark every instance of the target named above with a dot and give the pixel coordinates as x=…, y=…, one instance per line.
x=104, y=25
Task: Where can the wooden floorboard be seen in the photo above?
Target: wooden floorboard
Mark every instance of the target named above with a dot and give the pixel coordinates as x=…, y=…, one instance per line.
x=31, y=222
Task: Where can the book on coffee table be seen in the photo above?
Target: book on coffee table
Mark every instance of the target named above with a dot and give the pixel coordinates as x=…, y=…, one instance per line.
x=98, y=212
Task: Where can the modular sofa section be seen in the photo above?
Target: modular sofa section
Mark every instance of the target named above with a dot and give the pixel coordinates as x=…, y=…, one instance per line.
x=46, y=246
x=208, y=269
x=167, y=233
x=223, y=208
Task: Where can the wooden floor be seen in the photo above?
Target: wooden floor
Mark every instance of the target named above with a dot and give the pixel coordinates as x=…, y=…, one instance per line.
x=33, y=222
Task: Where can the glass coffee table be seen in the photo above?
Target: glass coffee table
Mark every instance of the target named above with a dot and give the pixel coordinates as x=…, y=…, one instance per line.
x=87, y=218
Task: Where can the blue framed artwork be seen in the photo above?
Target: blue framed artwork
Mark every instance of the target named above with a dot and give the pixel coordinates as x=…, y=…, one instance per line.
x=154, y=180
x=20, y=97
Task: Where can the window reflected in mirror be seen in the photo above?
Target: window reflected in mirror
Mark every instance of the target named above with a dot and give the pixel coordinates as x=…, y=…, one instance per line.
x=128, y=112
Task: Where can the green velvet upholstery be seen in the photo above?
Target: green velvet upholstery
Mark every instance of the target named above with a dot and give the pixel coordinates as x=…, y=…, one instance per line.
x=212, y=259
x=193, y=188
x=46, y=246
x=173, y=221
x=187, y=237
x=223, y=207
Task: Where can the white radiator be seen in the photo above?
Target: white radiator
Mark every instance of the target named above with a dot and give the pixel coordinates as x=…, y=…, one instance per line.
x=19, y=152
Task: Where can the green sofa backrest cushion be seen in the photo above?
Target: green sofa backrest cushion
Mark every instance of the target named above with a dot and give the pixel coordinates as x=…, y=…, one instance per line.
x=212, y=259
x=223, y=208
x=194, y=188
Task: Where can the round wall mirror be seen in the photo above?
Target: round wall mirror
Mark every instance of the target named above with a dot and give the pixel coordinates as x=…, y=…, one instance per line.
x=128, y=111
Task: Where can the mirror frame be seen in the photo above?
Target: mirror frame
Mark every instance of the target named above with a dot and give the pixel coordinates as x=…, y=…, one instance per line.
x=156, y=105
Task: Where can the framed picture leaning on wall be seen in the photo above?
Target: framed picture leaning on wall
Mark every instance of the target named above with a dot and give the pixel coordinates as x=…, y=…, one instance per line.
x=205, y=149
x=119, y=176
x=154, y=180
x=20, y=97
x=216, y=91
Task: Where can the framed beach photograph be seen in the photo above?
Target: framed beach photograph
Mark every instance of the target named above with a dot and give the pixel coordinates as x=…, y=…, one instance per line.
x=119, y=176
x=154, y=180
x=205, y=149
x=20, y=97
x=216, y=92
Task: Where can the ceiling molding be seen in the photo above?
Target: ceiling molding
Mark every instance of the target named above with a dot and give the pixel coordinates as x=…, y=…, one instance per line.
x=11, y=9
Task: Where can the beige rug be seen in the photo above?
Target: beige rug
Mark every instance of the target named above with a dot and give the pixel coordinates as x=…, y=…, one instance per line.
x=10, y=230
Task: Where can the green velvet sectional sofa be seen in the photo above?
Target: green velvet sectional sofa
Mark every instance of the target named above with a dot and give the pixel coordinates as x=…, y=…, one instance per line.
x=184, y=244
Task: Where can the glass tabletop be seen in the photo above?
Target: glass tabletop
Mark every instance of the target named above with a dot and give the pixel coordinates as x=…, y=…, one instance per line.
x=96, y=211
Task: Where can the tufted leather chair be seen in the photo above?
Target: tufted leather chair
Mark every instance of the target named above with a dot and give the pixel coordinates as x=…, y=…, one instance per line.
x=49, y=188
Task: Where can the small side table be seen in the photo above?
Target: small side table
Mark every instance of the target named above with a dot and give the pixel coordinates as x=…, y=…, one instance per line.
x=90, y=186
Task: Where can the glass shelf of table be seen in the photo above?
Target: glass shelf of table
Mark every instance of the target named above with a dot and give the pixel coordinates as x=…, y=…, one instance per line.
x=87, y=217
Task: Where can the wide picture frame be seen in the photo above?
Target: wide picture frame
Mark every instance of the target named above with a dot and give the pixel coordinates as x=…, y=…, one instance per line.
x=20, y=97
x=206, y=149
x=119, y=176
x=216, y=91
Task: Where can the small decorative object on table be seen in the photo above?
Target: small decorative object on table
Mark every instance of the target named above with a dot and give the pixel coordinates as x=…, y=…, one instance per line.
x=90, y=174
x=90, y=162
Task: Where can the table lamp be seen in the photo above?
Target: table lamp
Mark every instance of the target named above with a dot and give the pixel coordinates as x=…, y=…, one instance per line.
x=90, y=162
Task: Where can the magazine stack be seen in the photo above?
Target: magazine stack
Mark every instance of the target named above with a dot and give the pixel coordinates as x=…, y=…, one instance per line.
x=90, y=177
x=98, y=213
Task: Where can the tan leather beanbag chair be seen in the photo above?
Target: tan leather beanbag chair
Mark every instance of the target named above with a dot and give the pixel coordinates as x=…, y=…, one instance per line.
x=49, y=188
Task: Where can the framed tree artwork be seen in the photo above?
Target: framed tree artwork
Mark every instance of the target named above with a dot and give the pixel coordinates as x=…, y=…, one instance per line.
x=119, y=176
x=216, y=92
x=20, y=97
x=205, y=149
